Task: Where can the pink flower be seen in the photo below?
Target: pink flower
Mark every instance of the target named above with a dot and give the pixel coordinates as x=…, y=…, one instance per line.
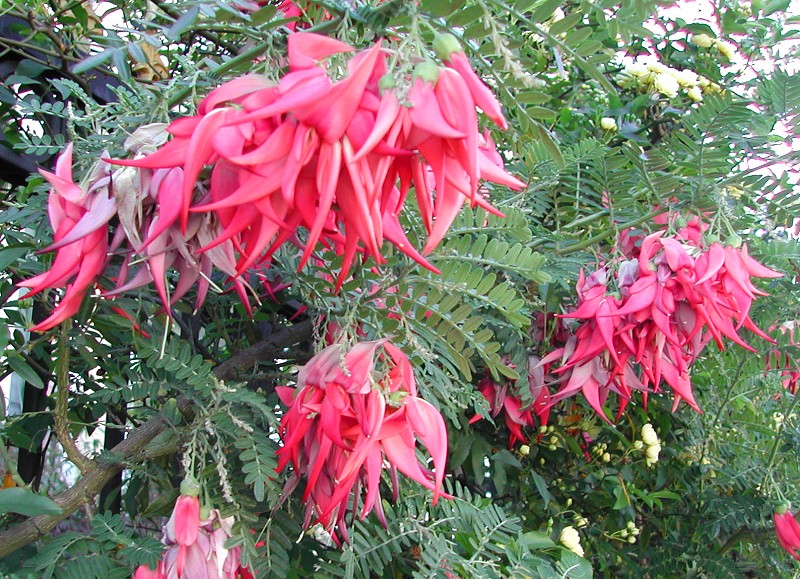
x=788, y=531
x=261, y=161
x=669, y=296
x=196, y=547
x=184, y=523
x=350, y=412
x=80, y=223
x=145, y=572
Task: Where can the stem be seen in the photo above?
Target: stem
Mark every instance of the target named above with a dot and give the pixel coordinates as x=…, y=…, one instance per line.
x=601, y=236
x=774, y=451
x=718, y=416
x=60, y=421
x=728, y=395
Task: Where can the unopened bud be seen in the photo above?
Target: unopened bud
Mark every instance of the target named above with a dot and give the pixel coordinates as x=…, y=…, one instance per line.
x=445, y=44
x=427, y=71
x=190, y=487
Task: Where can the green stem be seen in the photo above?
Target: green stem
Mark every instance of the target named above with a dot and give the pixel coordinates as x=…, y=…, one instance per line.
x=60, y=421
x=725, y=400
x=601, y=236
x=775, y=445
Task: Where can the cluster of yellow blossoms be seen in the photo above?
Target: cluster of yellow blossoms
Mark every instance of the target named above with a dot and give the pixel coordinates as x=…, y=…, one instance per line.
x=659, y=79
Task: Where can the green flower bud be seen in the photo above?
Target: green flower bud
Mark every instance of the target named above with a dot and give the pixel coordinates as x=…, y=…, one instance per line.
x=427, y=71
x=733, y=240
x=190, y=487
x=445, y=44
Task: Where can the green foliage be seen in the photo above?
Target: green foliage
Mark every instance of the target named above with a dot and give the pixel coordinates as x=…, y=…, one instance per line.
x=703, y=510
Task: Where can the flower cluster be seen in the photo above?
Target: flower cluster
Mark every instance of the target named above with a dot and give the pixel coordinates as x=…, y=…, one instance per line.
x=725, y=48
x=646, y=320
x=651, y=444
x=657, y=78
x=346, y=421
x=788, y=530
x=196, y=547
x=500, y=399
x=261, y=160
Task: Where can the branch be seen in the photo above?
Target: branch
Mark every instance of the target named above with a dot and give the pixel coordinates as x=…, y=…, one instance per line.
x=247, y=358
x=60, y=421
x=135, y=445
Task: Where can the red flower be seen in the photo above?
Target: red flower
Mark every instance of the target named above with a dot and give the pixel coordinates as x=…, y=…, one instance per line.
x=788, y=531
x=348, y=414
x=80, y=221
x=668, y=297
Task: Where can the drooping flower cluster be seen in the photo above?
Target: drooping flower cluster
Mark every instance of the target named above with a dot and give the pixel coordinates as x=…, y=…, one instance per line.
x=788, y=530
x=196, y=547
x=652, y=76
x=500, y=399
x=645, y=321
x=347, y=420
x=307, y=160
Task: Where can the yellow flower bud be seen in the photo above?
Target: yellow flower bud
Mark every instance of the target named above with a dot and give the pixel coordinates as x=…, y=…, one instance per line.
x=649, y=435
x=701, y=40
x=666, y=84
x=571, y=540
x=727, y=49
x=608, y=124
x=695, y=94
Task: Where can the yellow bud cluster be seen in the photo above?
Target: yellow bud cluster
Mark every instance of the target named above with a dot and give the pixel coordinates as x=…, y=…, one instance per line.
x=725, y=48
x=664, y=81
x=652, y=443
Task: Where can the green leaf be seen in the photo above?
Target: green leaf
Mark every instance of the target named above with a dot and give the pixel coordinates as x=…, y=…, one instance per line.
x=541, y=486
x=566, y=23
x=546, y=10
x=21, y=367
x=541, y=113
x=94, y=61
x=183, y=23
x=25, y=502
x=573, y=566
x=538, y=540
x=11, y=254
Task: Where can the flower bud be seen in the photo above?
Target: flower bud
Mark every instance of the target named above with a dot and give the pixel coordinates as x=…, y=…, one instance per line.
x=695, y=94
x=608, y=124
x=727, y=49
x=649, y=436
x=666, y=84
x=571, y=539
x=427, y=71
x=445, y=44
x=524, y=450
x=701, y=40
